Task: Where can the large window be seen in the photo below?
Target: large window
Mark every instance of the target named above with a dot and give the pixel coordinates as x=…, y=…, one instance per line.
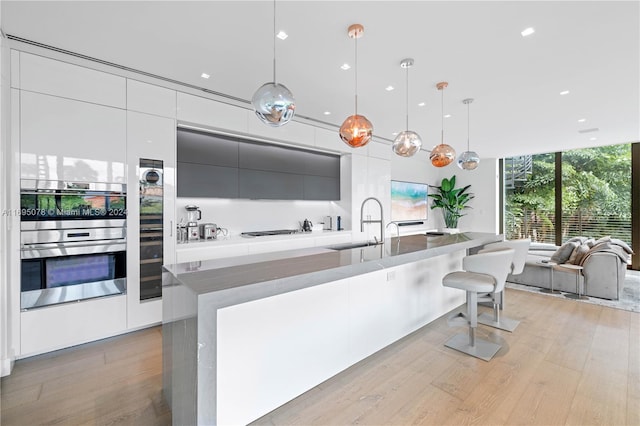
x=594, y=200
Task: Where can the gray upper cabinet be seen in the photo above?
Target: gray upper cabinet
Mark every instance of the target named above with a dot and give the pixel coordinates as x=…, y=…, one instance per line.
x=225, y=167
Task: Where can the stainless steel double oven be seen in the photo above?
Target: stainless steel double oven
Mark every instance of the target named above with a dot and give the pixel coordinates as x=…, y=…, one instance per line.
x=73, y=241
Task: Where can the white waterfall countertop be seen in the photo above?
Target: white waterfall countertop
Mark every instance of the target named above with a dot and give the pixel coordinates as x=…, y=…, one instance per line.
x=301, y=268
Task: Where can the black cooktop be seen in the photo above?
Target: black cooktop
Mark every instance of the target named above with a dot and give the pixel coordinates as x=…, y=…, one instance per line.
x=263, y=233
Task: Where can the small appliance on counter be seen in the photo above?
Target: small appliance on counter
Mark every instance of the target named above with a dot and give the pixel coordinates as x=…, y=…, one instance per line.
x=193, y=216
x=327, y=223
x=306, y=225
x=208, y=231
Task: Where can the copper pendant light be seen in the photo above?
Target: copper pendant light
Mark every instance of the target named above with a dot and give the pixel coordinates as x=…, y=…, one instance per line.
x=273, y=102
x=468, y=160
x=408, y=142
x=356, y=131
x=442, y=155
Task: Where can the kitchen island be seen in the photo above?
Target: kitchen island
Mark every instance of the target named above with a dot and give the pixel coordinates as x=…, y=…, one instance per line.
x=244, y=335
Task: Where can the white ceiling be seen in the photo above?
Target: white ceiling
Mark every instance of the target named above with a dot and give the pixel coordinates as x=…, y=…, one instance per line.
x=591, y=48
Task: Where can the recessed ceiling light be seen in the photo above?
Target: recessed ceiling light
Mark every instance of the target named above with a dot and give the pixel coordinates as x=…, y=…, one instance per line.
x=447, y=115
x=564, y=92
x=582, y=120
x=388, y=88
x=527, y=32
x=421, y=104
x=327, y=113
x=205, y=75
x=345, y=66
x=593, y=139
x=282, y=35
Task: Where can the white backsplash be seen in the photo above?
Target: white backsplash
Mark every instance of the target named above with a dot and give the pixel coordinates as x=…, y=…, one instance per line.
x=259, y=215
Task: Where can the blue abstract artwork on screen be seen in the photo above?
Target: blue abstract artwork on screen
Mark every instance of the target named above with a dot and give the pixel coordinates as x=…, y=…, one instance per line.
x=408, y=201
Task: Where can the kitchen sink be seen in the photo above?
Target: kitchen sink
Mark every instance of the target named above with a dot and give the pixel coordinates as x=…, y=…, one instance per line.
x=353, y=245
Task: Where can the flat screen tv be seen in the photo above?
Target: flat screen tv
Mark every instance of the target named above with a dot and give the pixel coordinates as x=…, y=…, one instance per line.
x=409, y=202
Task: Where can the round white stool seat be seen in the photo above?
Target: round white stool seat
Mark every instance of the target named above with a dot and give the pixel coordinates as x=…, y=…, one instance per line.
x=472, y=281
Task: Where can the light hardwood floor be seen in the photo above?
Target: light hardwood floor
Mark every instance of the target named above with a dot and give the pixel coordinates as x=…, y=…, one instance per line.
x=567, y=363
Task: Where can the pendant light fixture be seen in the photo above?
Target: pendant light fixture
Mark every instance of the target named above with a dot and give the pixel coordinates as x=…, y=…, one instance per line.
x=407, y=142
x=442, y=155
x=468, y=160
x=356, y=131
x=273, y=102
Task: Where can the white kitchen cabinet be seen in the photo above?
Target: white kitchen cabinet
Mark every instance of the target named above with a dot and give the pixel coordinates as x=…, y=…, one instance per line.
x=148, y=137
x=197, y=252
x=380, y=150
x=63, y=139
x=330, y=140
x=210, y=113
x=44, y=75
x=60, y=326
x=143, y=97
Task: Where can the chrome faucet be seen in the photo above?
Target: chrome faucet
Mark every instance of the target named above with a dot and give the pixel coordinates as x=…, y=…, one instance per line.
x=397, y=227
x=381, y=221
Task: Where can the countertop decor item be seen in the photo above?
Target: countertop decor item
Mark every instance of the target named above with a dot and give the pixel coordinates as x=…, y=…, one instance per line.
x=451, y=200
x=443, y=154
x=468, y=160
x=274, y=104
x=408, y=142
x=357, y=130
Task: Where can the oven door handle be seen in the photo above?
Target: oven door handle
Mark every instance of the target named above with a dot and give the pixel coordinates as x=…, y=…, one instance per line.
x=36, y=251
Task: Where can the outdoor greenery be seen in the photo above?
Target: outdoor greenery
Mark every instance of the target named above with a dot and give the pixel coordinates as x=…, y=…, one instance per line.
x=596, y=196
x=451, y=200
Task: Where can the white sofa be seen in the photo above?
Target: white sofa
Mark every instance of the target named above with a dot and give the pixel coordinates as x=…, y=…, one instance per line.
x=604, y=272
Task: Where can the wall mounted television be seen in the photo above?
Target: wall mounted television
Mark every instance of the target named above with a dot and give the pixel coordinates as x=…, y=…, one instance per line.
x=409, y=202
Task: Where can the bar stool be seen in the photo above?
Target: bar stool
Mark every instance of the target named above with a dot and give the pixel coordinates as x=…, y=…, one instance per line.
x=483, y=273
x=521, y=248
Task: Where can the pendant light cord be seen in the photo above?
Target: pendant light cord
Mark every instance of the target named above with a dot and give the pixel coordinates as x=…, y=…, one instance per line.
x=407, y=100
x=356, y=73
x=468, y=109
x=274, y=41
x=442, y=116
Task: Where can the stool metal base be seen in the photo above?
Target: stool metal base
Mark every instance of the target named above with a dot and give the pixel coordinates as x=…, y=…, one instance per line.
x=549, y=291
x=482, y=349
x=503, y=323
x=576, y=296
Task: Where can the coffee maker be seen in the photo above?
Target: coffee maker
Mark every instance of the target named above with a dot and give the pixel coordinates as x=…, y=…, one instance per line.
x=193, y=216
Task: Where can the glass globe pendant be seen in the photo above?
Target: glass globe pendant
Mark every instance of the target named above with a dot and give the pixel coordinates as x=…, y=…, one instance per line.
x=468, y=160
x=273, y=102
x=407, y=143
x=357, y=130
x=443, y=154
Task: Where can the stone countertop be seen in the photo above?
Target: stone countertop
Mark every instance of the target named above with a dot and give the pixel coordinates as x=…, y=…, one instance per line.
x=239, y=239
x=244, y=278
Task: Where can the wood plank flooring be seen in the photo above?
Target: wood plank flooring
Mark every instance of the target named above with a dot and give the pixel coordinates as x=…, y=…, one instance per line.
x=568, y=363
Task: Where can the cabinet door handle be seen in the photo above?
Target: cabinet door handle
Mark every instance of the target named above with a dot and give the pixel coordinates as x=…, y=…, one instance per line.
x=171, y=228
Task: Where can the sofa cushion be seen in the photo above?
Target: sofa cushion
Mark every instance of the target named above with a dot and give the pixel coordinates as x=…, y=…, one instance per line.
x=578, y=254
x=564, y=252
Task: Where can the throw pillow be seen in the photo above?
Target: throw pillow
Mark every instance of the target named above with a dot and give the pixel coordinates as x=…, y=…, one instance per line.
x=603, y=240
x=622, y=244
x=564, y=252
x=580, y=240
x=578, y=254
x=590, y=242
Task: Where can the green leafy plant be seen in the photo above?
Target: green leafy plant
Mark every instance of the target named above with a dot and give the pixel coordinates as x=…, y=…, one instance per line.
x=451, y=200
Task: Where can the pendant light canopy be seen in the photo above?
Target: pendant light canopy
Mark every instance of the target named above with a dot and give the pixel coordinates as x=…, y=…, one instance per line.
x=356, y=131
x=407, y=143
x=442, y=155
x=468, y=160
x=273, y=102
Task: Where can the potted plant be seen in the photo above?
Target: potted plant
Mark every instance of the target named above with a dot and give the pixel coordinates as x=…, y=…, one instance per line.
x=451, y=200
